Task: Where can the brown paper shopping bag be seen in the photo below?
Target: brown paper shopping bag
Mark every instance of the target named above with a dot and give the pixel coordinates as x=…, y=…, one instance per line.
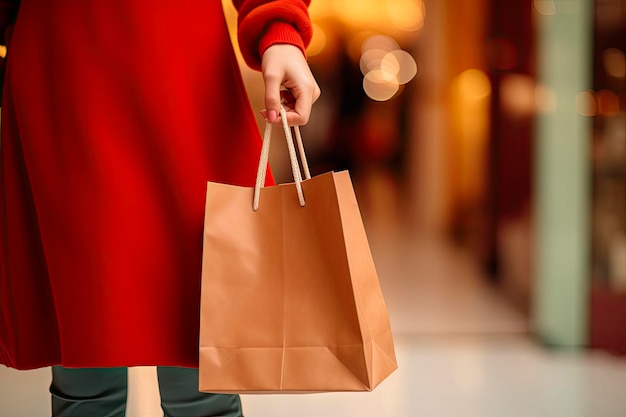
x=290, y=296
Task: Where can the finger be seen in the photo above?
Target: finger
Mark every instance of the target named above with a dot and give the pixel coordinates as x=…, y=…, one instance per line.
x=302, y=109
x=316, y=93
x=294, y=119
x=272, y=96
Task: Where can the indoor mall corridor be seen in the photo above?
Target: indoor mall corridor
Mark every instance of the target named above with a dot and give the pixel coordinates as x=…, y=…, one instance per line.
x=462, y=352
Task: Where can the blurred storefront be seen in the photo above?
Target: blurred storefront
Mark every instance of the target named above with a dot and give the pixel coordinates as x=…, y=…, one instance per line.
x=499, y=125
x=605, y=103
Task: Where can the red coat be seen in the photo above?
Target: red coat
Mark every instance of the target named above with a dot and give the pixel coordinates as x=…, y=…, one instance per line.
x=115, y=114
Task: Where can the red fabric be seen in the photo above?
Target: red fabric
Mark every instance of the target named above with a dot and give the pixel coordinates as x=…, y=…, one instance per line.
x=8, y=12
x=114, y=115
x=262, y=23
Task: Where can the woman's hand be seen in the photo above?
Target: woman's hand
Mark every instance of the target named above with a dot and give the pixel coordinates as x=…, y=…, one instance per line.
x=285, y=67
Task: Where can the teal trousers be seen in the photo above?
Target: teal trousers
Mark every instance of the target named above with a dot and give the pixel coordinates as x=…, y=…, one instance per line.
x=101, y=392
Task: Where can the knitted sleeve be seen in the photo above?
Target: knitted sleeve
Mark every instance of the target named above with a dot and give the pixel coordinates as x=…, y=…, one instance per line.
x=263, y=23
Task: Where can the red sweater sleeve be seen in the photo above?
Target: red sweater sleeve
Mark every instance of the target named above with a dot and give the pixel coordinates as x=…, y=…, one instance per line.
x=262, y=23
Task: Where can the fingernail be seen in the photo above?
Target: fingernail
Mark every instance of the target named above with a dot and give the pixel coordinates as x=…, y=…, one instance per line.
x=272, y=115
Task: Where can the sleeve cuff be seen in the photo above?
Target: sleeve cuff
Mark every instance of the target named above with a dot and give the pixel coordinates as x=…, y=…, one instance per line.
x=280, y=32
x=285, y=21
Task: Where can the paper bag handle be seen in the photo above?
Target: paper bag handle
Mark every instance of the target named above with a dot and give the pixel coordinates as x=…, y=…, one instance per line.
x=295, y=167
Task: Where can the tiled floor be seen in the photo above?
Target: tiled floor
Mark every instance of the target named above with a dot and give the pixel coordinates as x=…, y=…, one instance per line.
x=462, y=352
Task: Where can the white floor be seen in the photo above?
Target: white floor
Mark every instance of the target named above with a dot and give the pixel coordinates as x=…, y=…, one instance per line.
x=473, y=377
x=462, y=352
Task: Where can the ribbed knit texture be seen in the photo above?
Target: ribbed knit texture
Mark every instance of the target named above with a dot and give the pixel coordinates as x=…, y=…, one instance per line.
x=263, y=23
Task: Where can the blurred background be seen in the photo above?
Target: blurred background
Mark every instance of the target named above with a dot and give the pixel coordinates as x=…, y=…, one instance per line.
x=487, y=144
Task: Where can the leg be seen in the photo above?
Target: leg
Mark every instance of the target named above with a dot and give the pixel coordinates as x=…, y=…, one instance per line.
x=89, y=392
x=180, y=396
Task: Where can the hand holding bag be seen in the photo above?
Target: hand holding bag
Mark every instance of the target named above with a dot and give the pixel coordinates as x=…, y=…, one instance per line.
x=290, y=296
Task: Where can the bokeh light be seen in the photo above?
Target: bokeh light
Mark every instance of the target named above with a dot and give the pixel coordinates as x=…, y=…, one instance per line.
x=608, y=103
x=407, y=15
x=518, y=94
x=472, y=84
x=371, y=60
x=399, y=17
x=318, y=41
x=386, y=43
x=385, y=67
x=401, y=64
x=604, y=103
x=545, y=7
x=378, y=86
x=614, y=62
x=586, y=104
x=362, y=14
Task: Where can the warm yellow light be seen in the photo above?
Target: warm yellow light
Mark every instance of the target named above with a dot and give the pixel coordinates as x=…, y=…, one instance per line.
x=318, y=42
x=469, y=115
x=371, y=59
x=385, y=67
x=407, y=15
x=383, y=42
x=586, y=104
x=3, y=51
x=377, y=85
x=390, y=64
x=401, y=64
x=355, y=42
x=472, y=84
x=614, y=62
x=361, y=14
